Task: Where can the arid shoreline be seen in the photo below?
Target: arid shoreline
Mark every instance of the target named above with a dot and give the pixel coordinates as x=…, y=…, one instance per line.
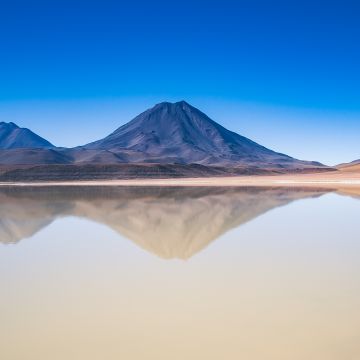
x=328, y=180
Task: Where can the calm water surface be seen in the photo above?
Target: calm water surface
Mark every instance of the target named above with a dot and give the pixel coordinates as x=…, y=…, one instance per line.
x=179, y=273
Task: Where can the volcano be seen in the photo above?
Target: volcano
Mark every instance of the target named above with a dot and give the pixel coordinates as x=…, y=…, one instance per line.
x=180, y=133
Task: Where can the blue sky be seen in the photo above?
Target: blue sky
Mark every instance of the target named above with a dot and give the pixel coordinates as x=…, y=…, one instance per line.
x=285, y=73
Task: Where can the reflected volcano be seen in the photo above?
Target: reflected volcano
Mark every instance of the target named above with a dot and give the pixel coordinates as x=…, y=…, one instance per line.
x=170, y=222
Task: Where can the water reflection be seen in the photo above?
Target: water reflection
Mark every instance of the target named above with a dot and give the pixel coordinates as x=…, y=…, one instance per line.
x=284, y=287
x=168, y=222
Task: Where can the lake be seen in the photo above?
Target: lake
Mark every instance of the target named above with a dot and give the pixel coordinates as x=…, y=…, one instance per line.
x=179, y=273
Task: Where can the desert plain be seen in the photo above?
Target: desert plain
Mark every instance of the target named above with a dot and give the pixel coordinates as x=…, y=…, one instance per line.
x=347, y=179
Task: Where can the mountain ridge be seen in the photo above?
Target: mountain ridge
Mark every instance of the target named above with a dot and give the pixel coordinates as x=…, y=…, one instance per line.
x=15, y=137
x=353, y=166
x=351, y=163
x=168, y=133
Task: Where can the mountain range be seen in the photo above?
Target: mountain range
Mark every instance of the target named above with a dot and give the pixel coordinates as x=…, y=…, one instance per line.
x=168, y=133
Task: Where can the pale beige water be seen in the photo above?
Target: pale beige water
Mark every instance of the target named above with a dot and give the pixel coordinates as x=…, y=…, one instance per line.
x=179, y=274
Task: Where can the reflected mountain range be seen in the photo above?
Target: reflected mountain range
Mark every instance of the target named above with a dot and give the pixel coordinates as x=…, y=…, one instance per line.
x=171, y=222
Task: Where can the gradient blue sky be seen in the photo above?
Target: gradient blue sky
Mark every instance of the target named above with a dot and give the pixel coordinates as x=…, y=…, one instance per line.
x=284, y=73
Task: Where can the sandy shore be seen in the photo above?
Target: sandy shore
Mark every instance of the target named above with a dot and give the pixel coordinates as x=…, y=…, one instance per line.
x=329, y=180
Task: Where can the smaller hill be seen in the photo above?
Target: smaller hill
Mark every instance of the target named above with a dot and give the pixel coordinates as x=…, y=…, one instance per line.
x=15, y=137
x=353, y=166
